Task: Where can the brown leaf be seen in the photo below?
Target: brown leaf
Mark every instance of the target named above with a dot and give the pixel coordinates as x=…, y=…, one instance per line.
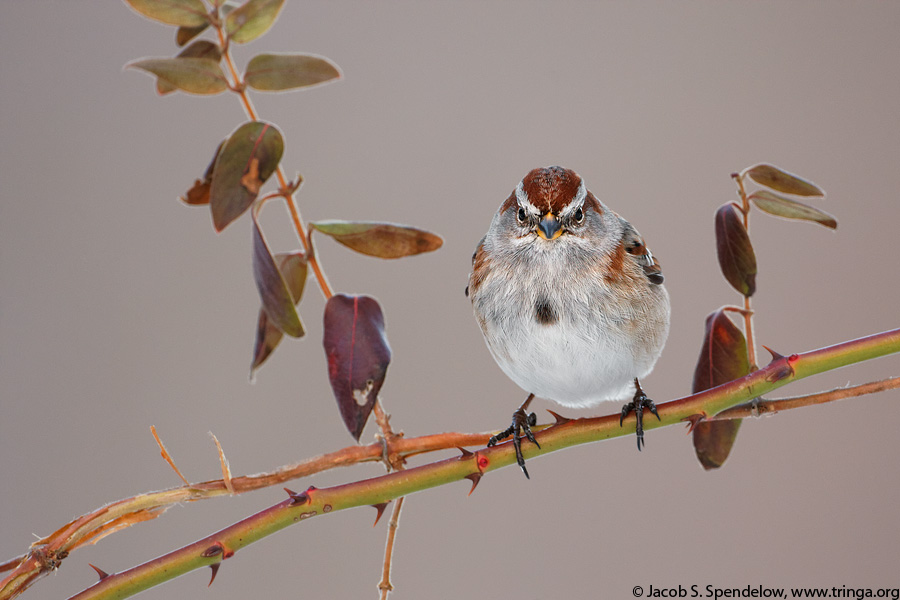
x=782, y=181
x=293, y=268
x=198, y=195
x=272, y=286
x=384, y=240
x=358, y=355
x=736, y=257
x=723, y=358
x=247, y=160
x=278, y=72
x=199, y=49
x=780, y=206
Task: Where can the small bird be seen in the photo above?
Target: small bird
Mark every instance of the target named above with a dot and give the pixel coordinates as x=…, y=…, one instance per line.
x=570, y=300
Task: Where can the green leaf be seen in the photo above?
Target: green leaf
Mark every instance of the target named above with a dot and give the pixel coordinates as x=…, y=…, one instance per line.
x=252, y=19
x=293, y=269
x=384, y=240
x=723, y=358
x=186, y=13
x=782, y=181
x=736, y=257
x=780, y=206
x=275, y=72
x=249, y=157
x=199, y=49
x=186, y=34
x=272, y=286
x=192, y=75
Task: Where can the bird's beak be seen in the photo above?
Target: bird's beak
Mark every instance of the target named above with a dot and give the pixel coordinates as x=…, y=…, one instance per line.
x=549, y=228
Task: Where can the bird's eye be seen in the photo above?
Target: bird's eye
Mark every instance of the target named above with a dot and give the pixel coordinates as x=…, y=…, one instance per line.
x=522, y=216
x=578, y=216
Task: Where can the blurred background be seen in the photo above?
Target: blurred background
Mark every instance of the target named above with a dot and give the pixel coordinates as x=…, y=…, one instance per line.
x=121, y=309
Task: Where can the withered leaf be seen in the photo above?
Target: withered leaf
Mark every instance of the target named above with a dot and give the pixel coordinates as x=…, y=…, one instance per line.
x=252, y=19
x=293, y=268
x=384, y=240
x=358, y=355
x=249, y=157
x=198, y=195
x=723, y=358
x=199, y=49
x=272, y=286
x=736, y=257
x=193, y=75
x=276, y=72
x=782, y=181
x=780, y=206
x=186, y=13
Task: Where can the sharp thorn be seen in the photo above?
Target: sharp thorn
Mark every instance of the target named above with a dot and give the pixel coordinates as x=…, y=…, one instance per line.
x=465, y=453
x=474, y=478
x=560, y=420
x=215, y=569
x=380, y=508
x=775, y=355
x=100, y=572
x=301, y=498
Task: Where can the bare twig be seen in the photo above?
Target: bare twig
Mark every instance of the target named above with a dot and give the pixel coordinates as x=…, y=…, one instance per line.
x=756, y=408
x=385, y=585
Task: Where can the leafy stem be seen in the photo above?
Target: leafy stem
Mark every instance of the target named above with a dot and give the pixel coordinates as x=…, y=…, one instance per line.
x=287, y=190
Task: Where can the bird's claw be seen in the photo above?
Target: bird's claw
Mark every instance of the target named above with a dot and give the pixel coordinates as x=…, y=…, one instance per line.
x=637, y=405
x=522, y=423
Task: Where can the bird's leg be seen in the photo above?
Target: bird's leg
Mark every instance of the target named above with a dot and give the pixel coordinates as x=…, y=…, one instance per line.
x=522, y=422
x=638, y=404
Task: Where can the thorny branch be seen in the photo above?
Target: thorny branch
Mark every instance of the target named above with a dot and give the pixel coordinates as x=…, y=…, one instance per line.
x=47, y=553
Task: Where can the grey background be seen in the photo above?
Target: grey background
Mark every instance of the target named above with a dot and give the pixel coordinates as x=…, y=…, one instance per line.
x=120, y=308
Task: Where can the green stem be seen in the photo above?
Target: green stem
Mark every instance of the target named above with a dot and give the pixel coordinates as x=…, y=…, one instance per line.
x=315, y=502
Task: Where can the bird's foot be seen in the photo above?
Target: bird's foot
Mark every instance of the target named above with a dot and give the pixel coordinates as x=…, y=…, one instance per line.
x=637, y=405
x=522, y=422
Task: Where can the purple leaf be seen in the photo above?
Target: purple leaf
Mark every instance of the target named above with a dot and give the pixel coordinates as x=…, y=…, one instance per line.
x=293, y=269
x=358, y=355
x=723, y=358
x=273, y=288
x=736, y=256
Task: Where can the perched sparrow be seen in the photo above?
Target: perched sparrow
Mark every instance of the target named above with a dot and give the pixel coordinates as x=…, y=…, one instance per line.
x=569, y=299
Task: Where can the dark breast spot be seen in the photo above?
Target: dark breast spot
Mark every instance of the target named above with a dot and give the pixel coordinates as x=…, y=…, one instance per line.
x=544, y=313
